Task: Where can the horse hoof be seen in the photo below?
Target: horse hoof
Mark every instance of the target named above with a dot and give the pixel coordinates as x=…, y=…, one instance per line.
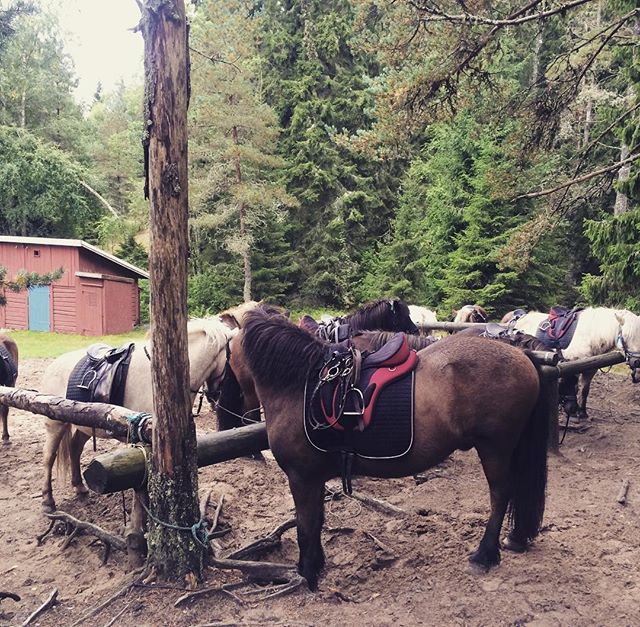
x=81, y=490
x=514, y=545
x=48, y=507
x=6, y=441
x=475, y=568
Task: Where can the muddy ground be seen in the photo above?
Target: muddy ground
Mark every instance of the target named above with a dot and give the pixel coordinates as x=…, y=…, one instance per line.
x=382, y=568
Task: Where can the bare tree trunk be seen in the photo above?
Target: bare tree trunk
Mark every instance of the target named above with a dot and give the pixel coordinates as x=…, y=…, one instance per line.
x=173, y=482
x=622, y=200
x=246, y=253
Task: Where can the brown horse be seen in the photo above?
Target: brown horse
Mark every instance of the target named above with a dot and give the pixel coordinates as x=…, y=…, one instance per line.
x=469, y=393
x=8, y=376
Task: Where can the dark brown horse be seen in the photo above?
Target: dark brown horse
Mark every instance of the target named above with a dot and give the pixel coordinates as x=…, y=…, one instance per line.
x=238, y=402
x=384, y=314
x=469, y=393
x=8, y=376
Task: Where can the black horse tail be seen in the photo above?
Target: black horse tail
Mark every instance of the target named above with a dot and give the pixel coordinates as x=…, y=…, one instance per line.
x=529, y=468
x=229, y=406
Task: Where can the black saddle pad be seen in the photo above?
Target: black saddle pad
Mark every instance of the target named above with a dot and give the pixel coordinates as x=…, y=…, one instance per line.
x=79, y=376
x=8, y=369
x=389, y=434
x=80, y=385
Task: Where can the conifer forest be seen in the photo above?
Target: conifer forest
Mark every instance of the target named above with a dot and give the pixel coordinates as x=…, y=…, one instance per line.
x=443, y=152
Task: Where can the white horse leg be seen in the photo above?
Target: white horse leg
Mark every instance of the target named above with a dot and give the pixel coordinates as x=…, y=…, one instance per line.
x=584, y=385
x=78, y=441
x=134, y=534
x=55, y=432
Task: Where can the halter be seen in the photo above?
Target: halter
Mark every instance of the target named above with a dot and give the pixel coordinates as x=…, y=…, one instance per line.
x=632, y=357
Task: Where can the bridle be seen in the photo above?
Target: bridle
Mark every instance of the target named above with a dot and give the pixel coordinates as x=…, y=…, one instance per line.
x=632, y=357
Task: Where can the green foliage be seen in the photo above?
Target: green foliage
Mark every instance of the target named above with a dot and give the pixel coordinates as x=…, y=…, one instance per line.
x=24, y=280
x=40, y=191
x=316, y=79
x=214, y=289
x=615, y=241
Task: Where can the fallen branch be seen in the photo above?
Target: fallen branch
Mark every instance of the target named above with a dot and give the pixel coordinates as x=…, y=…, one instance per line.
x=270, y=571
x=108, y=539
x=263, y=544
x=624, y=488
x=118, y=615
x=216, y=515
x=225, y=589
x=50, y=602
x=9, y=595
x=42, y=536
x=372, y=502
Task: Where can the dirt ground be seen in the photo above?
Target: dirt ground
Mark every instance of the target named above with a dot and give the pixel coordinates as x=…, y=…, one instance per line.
x=382, y=569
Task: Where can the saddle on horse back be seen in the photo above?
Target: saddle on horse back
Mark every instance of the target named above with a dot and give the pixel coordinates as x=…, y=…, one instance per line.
x=558, y=329
x=362, y=404
x=101, y=375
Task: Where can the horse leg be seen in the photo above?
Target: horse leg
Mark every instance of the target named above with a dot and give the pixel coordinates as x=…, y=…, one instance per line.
x=4, y=412
x=497, y=471
x=584, y=386
x=308, y=496
x=55, y=432
x=78, y=441
x=568, y=397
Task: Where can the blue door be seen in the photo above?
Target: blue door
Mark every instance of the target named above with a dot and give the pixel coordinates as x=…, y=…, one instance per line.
x=39, y=308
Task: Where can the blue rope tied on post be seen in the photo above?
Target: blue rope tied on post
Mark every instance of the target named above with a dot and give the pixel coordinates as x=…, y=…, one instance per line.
x=137, y=423
x=198, y=530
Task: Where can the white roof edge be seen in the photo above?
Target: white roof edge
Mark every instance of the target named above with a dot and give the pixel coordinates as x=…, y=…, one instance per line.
x=78, y=243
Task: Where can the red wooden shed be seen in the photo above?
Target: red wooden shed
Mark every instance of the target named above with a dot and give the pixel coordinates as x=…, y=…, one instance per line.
x=98, y=293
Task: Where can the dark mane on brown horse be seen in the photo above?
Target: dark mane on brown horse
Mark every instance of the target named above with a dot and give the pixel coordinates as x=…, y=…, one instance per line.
x=278, y=352
x=386, y=314
x=377, y=339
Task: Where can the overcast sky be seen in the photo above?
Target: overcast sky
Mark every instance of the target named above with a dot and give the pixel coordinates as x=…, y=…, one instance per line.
x=98, y=37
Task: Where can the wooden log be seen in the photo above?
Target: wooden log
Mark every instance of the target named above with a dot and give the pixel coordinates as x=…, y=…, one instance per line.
x=125, y=468
x=111, y=418
x=590, y=363
x=553, y=398
x=451, y=326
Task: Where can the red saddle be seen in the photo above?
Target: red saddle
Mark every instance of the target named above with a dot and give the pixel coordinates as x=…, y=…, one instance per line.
x=353, y=407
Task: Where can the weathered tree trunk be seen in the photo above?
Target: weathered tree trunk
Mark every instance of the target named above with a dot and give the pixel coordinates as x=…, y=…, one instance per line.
x=622, y=200
x=173, y=481
x=246, y=253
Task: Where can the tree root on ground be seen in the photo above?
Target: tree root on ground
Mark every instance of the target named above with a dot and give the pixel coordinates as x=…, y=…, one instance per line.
x=109, y=540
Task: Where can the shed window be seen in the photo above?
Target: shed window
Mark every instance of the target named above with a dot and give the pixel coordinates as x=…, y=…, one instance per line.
x=36, y=253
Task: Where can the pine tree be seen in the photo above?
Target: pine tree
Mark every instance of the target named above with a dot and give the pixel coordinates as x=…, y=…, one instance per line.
x=317, y=81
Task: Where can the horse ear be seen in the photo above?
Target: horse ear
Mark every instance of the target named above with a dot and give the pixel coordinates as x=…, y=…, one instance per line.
x=620, y=316
x=229, y=320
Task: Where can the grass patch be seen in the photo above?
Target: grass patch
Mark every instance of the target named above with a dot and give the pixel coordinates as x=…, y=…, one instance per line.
x=38, y=344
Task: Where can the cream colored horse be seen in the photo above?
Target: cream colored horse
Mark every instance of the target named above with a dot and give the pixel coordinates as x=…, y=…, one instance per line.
x=207, y=345
x=598, y=331
x=421, y=317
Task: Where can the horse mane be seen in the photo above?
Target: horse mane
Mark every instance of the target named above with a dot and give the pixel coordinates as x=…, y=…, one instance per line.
x=377, y=339
x=375, y=313
x=214, y=329
x=279, y=353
